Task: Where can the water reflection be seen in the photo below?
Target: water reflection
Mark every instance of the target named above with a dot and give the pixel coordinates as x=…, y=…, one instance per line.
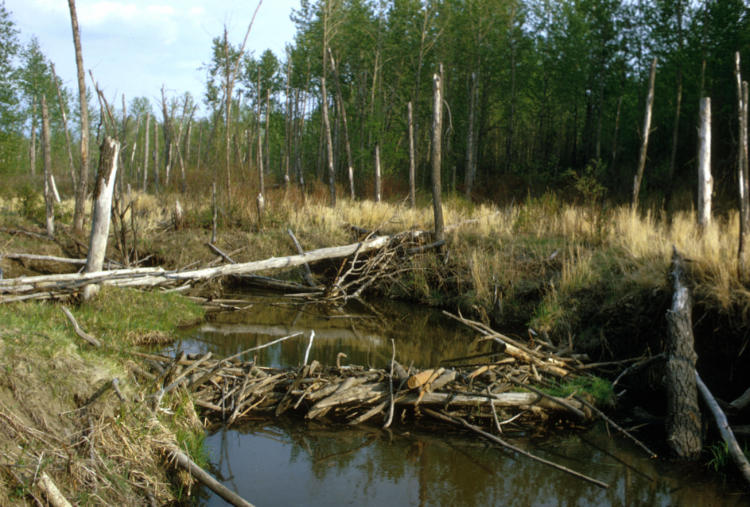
x=422, y=336
x=295, y=464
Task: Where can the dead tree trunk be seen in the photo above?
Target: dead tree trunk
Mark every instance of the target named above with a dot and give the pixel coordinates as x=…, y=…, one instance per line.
x=167, y=133
x=63, y=114
x=645, y=133
x=683, y=413
x=145, y=152
x=342, y=109
x=437, y=139
x=83, y=175
x=101, y=210
x=616, y=133
x=742, y=170
x=412, y=162
x=48, y=185
x=471, y=168
x=705, y=181
x=32, y=140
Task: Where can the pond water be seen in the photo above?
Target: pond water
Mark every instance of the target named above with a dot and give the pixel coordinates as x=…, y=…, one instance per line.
x=291, y=462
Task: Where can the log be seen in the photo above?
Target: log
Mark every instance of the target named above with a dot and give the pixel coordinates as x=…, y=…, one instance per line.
x=741, y=402
x=50, y=258
x=683, y=413
x=724, y=429
x=207, y=479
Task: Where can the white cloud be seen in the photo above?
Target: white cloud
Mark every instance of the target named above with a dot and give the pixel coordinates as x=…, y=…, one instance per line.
x=98, y=13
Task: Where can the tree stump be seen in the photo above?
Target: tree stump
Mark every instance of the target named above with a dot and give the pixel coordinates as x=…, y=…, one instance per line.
x=683, y=413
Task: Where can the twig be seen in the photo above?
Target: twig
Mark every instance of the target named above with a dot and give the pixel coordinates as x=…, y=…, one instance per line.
x=308, y=272
x=632, y=367
x=559, y=401
x=80, y=332
x=458, y=421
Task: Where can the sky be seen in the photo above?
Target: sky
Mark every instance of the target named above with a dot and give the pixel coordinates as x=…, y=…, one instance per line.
x=136, y=46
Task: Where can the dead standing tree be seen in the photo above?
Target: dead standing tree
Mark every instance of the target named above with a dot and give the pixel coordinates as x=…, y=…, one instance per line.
x=437, y=139
x=705, y=181
x=742, y=170
x=83, y=175
x=101, y=210
x=48, y=182
x=645, y=133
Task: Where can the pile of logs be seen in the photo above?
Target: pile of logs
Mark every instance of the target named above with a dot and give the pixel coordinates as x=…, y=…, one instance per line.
x=508, y=385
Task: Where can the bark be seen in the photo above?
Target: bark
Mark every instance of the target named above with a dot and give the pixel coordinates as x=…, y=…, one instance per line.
x=102, y=209
x=616, y=134
x=68, y=143
x=675, y=138
x=412, y=161
x=167, y=133
x=378, y=183
x=288, y=123
x=645, y=133
x=83, y=174
x=48, y=184
x=437, y=131
x=683, y=413
x=705, y=181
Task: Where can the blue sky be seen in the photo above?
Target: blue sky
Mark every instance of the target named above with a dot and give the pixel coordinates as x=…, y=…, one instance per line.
x=135, y=46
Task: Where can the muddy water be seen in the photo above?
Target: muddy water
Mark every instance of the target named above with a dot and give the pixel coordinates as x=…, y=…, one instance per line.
x=290, y=462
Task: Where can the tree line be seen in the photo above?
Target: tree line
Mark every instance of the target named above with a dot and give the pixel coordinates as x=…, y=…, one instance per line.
x=538, y=94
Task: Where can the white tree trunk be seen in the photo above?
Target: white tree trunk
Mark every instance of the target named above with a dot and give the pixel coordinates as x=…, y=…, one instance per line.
x=101, y=210
x=705, y=181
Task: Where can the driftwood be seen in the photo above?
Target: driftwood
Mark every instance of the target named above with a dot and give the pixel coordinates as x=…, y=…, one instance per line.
x=207, y=479
x=726, y=431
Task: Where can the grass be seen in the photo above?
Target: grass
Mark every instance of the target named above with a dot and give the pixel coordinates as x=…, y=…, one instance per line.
x=109, y=453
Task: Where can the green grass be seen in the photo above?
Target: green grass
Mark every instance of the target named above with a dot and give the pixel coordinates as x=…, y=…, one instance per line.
x=599, y=388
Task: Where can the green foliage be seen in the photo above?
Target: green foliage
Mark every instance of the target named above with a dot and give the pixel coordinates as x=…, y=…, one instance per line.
x=599, y=388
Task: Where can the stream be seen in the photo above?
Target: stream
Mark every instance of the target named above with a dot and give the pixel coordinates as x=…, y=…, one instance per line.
x=291, y=462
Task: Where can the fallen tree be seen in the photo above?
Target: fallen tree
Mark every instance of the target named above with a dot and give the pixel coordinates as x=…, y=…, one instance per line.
x=63, y=284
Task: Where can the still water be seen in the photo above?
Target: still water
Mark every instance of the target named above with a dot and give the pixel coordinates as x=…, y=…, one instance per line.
x=291, y=462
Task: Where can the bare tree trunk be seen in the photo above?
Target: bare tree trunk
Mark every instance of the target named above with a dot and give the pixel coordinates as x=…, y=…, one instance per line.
x=68, y=144
x=645, y=133
x=156, y=156
x=101, y=210
x=267, y=140
x=83, y=175
x=471, y=168
x=32, y=140
x=167, y=133
x=288, y=123
x=145, y=152
x=437, y=139
x=48, y=197
x=342, y=109
x=615, y=135
x=214, y=213
x=412, y=162
x=742, y=171
x=675, y=136
x=683, y=413
x=378, y=184
x=705, y=181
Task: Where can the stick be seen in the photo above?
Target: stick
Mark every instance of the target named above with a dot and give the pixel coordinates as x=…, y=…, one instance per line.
x=220, y=253
x=557, y=400
x=80, y=332
x=309, y=346
x=458, y=421
x=51, y=258
x=392, y=402
x=204, y=477
x=726, y=431
x=616, y=426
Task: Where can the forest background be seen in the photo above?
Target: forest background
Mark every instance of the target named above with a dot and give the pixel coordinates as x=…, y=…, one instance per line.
x=539, y=94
